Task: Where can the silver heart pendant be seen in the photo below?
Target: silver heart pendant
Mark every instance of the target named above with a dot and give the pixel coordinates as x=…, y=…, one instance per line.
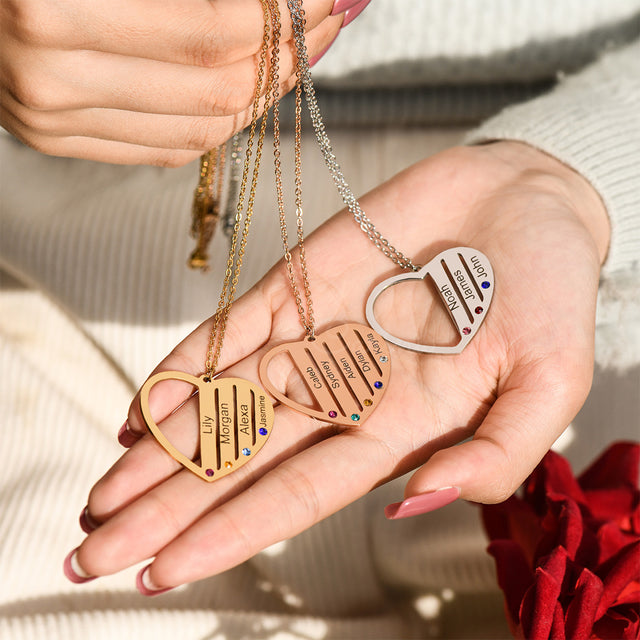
x=464, y=279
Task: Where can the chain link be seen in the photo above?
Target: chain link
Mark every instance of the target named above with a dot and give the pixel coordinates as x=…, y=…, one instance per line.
x=236, y=251
x=306, y=316
x=205, y=210
x=233, y=188
x=349, y=199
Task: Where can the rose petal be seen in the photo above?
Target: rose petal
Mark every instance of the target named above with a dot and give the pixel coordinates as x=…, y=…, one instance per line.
x=634, y=520
x=616, y=467
x=514, y=520
x=495, y=518
x=539, y=603
x=610, y=539
x=584, y=535
x=553, y=474
x=622, y=623
x=629, y=595
x=581, y=612
x=617, y=574
x=613, y=504
x=514, y=575
x=558, y=631
x=570, y=527
x=563, y=525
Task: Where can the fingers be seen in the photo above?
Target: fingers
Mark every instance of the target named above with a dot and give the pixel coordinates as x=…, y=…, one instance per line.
x=180, y=500
x=291, y=498
x=191, y=32
x=184, y=515
x=123, y=137
x=95, y=79
x=111, y=151
x=63, y=80
x=519, y=429
x=298, y=479
x=106, y=107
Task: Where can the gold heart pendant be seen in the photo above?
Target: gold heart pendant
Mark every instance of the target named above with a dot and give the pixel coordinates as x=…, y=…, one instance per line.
x=236, y=418
x=346, y=370
x=464, y=279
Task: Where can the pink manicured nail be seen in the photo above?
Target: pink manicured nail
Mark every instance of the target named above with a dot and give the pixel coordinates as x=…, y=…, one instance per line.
x=340, y=6
x=425, y=502
x=125, y=437
x=74, y=572
x=352, y=14
x=145, y=585
x=317, y=57
x=87, y=523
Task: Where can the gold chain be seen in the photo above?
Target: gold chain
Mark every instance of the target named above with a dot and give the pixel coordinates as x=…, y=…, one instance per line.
x=271, y=34
x=205, y=211
x=236, y=251
x=306, y=316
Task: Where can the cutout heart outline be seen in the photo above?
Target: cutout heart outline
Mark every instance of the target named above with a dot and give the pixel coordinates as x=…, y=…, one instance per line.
x=465, y=282
x=236, y=418
x=346, y=370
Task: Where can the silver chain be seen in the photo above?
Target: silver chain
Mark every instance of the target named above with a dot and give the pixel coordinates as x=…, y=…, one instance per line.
x=351, y=202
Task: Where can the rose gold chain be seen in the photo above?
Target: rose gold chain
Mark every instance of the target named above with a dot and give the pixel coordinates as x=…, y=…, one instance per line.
x=306, y=315
x=271, y=36
x=239, y=239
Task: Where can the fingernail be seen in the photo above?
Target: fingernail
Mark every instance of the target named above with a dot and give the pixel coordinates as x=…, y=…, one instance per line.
x=340, y=6
x=317, y=57
x=125, y=437
x=146, y=586
x=423, y=503
x=74, y=572
x=87, y=523
x=352, y=14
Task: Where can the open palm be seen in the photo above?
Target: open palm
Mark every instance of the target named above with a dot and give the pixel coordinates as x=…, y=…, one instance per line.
x=514, y=388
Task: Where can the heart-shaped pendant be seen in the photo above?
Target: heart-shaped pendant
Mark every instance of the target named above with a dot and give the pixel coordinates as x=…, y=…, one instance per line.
x=346, y=369
x=465, y=282
x=236, y=417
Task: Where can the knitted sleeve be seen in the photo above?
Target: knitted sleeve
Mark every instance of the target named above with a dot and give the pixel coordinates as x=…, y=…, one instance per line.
x=591, y=122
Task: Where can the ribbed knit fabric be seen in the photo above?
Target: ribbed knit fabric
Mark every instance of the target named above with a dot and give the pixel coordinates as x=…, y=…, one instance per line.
x=591, y=121
x=102, y=250
x=403, y=43
x=422, y=106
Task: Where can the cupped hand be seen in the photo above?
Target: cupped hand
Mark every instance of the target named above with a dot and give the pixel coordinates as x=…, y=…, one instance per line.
x=508, y=395
x=138, y=81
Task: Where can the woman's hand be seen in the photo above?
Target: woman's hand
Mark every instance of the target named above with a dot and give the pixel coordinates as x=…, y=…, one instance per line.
x=514, y=388
x=138, y=81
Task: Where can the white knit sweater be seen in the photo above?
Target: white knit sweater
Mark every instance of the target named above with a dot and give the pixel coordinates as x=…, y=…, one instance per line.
x=98, y=292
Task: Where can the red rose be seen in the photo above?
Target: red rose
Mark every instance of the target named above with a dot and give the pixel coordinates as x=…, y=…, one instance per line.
x=568, y=551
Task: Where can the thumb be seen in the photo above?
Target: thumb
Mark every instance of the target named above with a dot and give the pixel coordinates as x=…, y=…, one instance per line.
x=519, y=429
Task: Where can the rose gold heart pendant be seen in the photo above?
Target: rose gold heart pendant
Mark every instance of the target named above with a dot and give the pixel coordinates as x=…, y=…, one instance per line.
x=345, y=369
x=235, y=416
x=464, y=279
